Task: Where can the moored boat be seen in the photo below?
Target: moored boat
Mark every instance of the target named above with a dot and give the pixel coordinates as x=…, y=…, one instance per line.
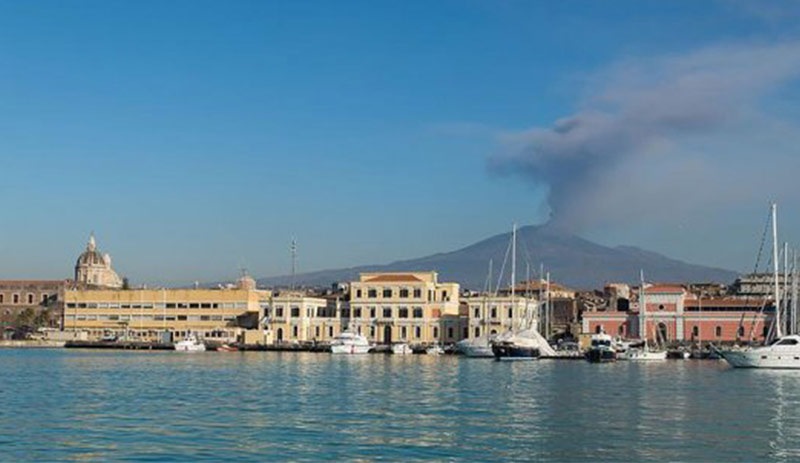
x=190, y=344
x=476, y=347
x=349, y=343
x=602, y=349
x=401, y=348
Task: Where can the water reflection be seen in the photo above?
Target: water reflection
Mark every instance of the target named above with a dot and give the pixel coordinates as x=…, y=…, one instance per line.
x=259, y=406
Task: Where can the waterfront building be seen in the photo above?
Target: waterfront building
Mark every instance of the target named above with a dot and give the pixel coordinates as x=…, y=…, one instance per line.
x=412, y=307
x=491, y=314
x=293, y=316
x=675, y=315
x=145, y=314
x=93, y=268
x=26, y=303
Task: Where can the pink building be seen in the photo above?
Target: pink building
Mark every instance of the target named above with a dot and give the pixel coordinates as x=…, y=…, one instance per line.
x=672, y=314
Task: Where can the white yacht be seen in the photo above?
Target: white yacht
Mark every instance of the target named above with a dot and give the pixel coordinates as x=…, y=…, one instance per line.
x=784, y=351
x=602, y=349
x=190, y=344
x=401, y=348
x=350, y=343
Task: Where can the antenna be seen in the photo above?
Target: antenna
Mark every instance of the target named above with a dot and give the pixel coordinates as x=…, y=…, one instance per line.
x=294, y=261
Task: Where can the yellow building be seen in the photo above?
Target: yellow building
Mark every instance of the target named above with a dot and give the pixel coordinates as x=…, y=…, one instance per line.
x=295, y=317
x=409, y=307
x=144, y=314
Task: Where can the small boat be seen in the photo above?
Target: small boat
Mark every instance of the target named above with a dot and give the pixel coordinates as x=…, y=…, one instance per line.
x=227, y=348
x=643, y=354
x=434, y=349
x=678, y=354
x=190, y=344
x=520, y=345
x=601, y=350
x=401, y=348
x=349, y=343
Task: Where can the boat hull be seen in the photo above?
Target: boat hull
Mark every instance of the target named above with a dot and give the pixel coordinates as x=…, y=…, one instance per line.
x=477, y=351
x=510, y=352
x=601, y=355
x=639, y=355
x=349, y=349
x=757, y=358
x=401, y=349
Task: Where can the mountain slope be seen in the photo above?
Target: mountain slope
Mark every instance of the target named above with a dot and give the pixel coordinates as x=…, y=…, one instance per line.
x=571, y=260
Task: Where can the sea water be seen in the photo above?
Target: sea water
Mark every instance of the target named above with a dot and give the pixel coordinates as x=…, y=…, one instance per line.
x=265, y=406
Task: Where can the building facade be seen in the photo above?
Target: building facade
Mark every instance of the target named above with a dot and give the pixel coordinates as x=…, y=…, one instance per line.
x=291, y=316
x=145, y=314
x=672, y=314
x=490, y=314
x=27, y=304
x=411, y=307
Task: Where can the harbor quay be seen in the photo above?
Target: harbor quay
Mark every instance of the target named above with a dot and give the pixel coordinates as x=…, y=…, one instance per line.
x=98, y=308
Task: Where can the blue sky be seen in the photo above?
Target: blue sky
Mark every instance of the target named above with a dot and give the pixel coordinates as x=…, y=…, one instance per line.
x=195, y=138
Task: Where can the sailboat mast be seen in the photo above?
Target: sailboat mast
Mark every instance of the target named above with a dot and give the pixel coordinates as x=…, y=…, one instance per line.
x=775, y=270
x=794, y=293
x=513, y=262
x=785, y=304
x=642, y=308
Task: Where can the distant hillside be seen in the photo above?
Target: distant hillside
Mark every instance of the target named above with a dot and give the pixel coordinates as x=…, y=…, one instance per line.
x=571, y=260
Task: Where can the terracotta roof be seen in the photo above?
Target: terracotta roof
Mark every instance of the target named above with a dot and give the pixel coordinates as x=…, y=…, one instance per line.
x=670, y=289
x=401, y=277
x=724, y=302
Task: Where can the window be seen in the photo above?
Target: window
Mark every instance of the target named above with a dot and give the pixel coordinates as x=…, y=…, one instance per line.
x=316, y=332
x=740, y=332
x=510, y=312
x=2, y=298
x=444, y=295
x=477, y=312
x=387, y=293
x=16, y=299
x=417, y=293
x=279, y=311
x=465, y=333
x=494, y=312
x=598, y=329
x=417, y=332
x=661, y=307
x=718, y=331
x=695, y=331
x=402, y=312
x=477, y=331
x=358, y=294
x=621, y=330
x=44, y=299
x=387, y=312
x=403, y=332
x=372, y=331
x=372, y=293
x=357, y=312
x=436, y=332
x=295, y=312
x=372, y=311
x=330, y=331
x=404, y=293
x=786, y=342
x=417, y=312
x=449, y=331
x=294, y=331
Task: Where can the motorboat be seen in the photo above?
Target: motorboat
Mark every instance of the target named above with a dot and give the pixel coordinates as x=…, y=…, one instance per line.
x=191, y=343
x=401, y=348
x=349, y=343
x=434, y=349
x=642, y=354
x=602, y=349
x=783, y=353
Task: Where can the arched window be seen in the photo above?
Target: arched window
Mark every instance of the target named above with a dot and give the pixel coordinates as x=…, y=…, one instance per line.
x=718, y=331
x=30, y=298
x=598, y=329
x=16, y=299
x=696, y=331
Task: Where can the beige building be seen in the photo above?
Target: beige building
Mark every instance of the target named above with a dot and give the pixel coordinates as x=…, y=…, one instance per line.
x=144, y=314
x=494, y=314
x=296, y=317
x=409, y=306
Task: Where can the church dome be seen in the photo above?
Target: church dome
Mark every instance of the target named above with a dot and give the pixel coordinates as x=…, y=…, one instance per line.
x=91, y=256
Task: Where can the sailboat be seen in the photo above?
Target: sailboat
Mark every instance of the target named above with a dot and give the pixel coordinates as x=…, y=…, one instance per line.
x=784, y=351
x=480, y=347
x=644, y=352
x=525, y=342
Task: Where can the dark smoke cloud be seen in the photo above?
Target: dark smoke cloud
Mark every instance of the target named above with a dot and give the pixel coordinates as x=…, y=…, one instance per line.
x=636, y=107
